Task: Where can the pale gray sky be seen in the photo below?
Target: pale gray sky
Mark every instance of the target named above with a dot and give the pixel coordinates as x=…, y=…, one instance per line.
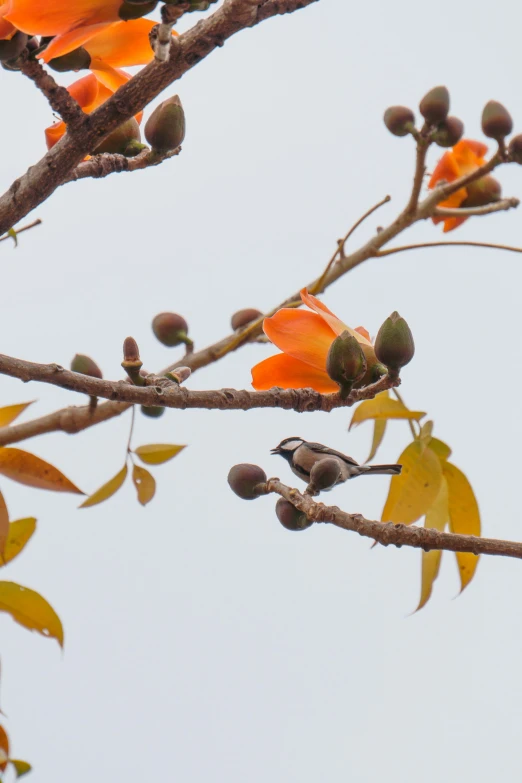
x=203, y=642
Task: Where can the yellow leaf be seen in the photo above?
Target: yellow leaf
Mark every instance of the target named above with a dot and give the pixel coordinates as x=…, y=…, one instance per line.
x=20, y=767
x=11, y=412
x=30, y=610
x=464, y=518
x=4, y=749
x=20, y=531
x=437, y=517
x=4, y=526
x=379, y=428
x=414, y=491
x=383, y=407
x=426, y=432
x=441, y=449
x=107, y=490
x=145, y=484
x=156, y=453
x=28, y=469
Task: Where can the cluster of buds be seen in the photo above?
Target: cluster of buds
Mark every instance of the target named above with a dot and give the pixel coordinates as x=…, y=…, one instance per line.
x=438, y=125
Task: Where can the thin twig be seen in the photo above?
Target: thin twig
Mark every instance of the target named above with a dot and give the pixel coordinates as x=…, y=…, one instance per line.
x=423, y=145
x=17, y=231
x=399, y=397
x=498, y=206
x=99, y=166
x=490, y=245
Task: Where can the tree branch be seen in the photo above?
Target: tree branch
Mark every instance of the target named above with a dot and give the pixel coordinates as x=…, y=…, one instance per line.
x=58, y=98
x=498, y=206
x=99, y=166
x=387, y=533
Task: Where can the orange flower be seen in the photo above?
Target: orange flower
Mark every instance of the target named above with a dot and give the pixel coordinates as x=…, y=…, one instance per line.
x=90, y=92
x=122, y=44
x=7, y=30
x=465, y=157
x=305, y=339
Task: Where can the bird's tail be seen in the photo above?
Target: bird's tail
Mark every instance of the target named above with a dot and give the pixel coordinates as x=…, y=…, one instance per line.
x=388, y=470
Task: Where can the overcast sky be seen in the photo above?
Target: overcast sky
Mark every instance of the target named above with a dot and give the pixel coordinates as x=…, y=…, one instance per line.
x=203, y=642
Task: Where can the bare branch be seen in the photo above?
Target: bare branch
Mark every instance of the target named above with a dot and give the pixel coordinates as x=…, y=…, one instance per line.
x=17, y=231
x=490, y=245
x=387, y=533
x=498, y=206
x=59, y=99
x=99, y=166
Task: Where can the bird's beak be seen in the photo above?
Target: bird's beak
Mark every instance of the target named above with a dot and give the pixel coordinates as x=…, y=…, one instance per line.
x=275, y=451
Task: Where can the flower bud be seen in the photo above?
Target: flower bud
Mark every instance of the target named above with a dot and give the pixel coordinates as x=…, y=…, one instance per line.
x=179, y=375
x=496, y=121
x=515, y=149
x=86, y=366
x=485, y=190
x=434, y=107
x=394, y=345
x=325, y=474
x=77, y=60
x=153, y=411
x=131, y=352
x=247, y=481
x=130, y=10
x=132, y=363
x=11, y=48
x=399, y=120
x=170, y=329
x=165, y=128
x=290, y=517
x=119, y=139
x=345, y=363
x=449, y=132
x=244, y=317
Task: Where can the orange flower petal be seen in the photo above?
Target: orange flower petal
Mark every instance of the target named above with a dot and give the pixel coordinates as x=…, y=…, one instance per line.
x=301, y=334
x=65, y=43
x=466, y=147
x=85, y=91
x=54, y=133
x=125, y=43
x=289, y=373
x=56, y=17
x=365, y=333
x=335, y=323
x=446, y=169
x=451, y=223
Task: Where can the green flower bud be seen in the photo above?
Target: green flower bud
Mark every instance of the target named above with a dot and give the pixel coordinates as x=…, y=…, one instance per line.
x=325, y=474
x=515, y=149
x=346, y=363
x=129, y=10
x=244, y=317
x=394, y=345
x=485, y=190
x=434, y=107
x=119, y=139
x=165, y=128
x=247, y=481
x=77, y=60
x=399, y=120
x=153, y=411
x=13, y=47
x=449, y=132
x=496, y=121
x=290, y=517
x=86, y=366
x=170, y=329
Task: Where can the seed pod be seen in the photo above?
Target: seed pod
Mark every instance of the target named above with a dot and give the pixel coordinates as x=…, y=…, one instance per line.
x=129, y=10
x=496, y=121
x=170, y=329
x=434, y=107
x=515, y=149
x=165, y=128
x=290, y=517
x=346, y=363
x=399, y=120
x=77, y=60
x=86, y=366
x=485, y=190
x=244, y=317
x=119, y=139
x=448, y=132
x=11, y=48
x=153, y=411
x=394, y=345
x=247, y=481
x=325, y=474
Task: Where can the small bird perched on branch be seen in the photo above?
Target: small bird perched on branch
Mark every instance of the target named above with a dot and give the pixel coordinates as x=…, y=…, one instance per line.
x=304, y=458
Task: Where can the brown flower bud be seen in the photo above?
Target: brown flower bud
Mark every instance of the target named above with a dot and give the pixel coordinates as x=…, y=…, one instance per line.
x=515, y=149
x=496, y=121
x=165, y=128
x=131, y=352
x=394, y=345
x=290, y=517
x=170, y=329
x=130, y=10
x=153, y=411
x=77, y=60
x=13, y=47
x=399, y=120
x=86, y=366
x=434, y=107
x=485, y=190
x=325, y=474
x=244, y=317
x=449, y=132
x=179, y=375
x=346, y=363
x=247, y=481
x=119, y=139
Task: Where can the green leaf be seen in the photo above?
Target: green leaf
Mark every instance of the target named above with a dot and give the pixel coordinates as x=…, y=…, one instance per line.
x=464, y=518
x=414, y=491
x=156, y=453
x=28, y=469
x=107, y=490
x=145, y=484
x=379, y=428
x=11, y=412
x=20, y=767
x=20, y=531
x=383, y=407
x=29, y=609
x=437, y=517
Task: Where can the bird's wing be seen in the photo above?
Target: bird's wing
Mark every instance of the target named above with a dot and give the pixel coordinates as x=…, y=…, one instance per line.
x=320, y=449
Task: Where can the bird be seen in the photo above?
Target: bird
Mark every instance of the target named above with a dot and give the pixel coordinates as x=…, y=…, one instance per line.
x=302, y=455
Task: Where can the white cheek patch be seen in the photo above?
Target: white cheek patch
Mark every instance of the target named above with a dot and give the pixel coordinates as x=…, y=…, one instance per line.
x=292, y=445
